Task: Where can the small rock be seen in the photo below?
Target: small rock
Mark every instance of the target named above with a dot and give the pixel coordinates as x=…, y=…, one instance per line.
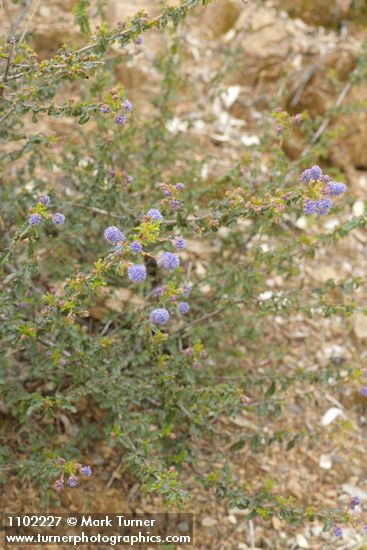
x=207, y=521
x=232, y=519
x=330, y=415
x=359, y=325
x=302, y=542
x=325, y=462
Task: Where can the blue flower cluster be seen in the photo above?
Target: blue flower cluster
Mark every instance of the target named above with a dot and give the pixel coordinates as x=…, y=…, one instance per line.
x=137, y=273
x=155, y=215
x=323, y=185
x=169, y=260
x=136, y=247
x=160, y=316
x=113, y=235
x=320, y=207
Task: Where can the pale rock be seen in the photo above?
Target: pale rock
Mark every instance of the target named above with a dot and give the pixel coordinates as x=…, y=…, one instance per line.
x=330, y=415
x=325, y=462
x=358, y=208
x=230, y=95
x=322, y=273
x=301, y=223
x=302, y=542
x=359, y=325
x=232, y=519
x=220, y=17
x=207, y=521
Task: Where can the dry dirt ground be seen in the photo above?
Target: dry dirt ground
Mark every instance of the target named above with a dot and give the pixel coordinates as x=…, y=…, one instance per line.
x=325, y=471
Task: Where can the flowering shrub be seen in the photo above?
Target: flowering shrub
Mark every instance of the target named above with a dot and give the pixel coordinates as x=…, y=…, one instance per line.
x=155, y=376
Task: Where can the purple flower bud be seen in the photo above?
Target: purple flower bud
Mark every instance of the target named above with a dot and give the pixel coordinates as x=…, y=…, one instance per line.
x=363, y=391
x=59, y=485
x=159, y=316
x=121, y=119
x=186, y=290
x=179, y=243
x=128, y=106
x=118, y=250
x=139, y=40
x=86, y=471
x=158, y=291
x=338, y=532
x=45, y=200
x=104, y=109
x=180, y=186
x=174, y=204
x=73, y=481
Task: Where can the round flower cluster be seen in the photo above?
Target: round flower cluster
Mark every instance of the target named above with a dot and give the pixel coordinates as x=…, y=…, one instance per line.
x=179, y=243
x=183, y=307
x=36, y=218
x=113, y=235
x=136, y=247
x=45, y=200
x=137, y=273
x=160, y=316
x=58, y=218
x=311, y=174
x=121, y=119
x=321, y=185
x=154, y=215
x=169, y=260
x=320, y=207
